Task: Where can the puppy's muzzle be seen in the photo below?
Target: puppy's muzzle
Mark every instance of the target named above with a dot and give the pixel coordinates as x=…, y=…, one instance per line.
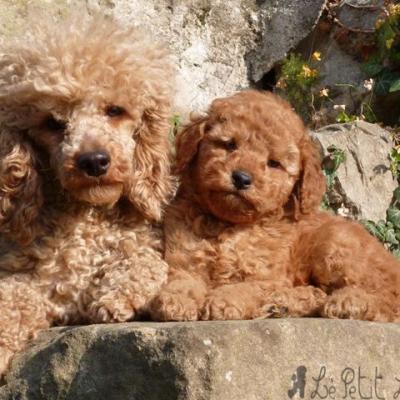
x=94, y=163
x=241, y=179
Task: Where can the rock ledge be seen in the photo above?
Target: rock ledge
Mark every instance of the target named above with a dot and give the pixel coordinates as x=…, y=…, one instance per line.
x=243, y=360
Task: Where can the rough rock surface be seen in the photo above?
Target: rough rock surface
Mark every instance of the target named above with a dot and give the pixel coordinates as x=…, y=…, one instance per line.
x=285, y=24
x=221, y=46
x=244, y=360
x=364, y=184
x=360, y=14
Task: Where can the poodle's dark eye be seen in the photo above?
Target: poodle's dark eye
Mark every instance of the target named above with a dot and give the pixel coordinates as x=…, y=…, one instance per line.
x=274, y=164
x=55, y=125
x=114, y=111
x=230, y=145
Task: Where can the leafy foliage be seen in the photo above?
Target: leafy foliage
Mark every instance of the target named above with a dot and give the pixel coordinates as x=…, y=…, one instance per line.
x=343, y=117
x=295, y=83
x=384, y=65
x=395, y=161
x=330, y=165
x=388, y=232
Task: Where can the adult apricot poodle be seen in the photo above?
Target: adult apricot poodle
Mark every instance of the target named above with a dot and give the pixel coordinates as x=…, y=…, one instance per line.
x=245, y=237
x=84, y=170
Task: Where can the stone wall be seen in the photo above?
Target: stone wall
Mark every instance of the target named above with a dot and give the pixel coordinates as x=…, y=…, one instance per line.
x=221, y=46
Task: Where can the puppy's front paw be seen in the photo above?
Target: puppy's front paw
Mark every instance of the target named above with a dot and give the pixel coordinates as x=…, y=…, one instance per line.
x=276, y=306
x=352, y=303
x=115, y=309
x=301, y=301
x=273, y=310
x=220, y=307
x=173, y=307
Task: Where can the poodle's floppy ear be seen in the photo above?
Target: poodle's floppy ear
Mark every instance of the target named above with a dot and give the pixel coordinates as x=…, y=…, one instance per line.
x=187, y=143
x=20, y=188
x=153, y=184
x=311, y=186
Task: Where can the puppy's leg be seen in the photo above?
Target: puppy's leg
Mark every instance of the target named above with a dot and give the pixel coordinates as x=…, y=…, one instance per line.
x=180, y=300
x=121, y=290
x=354, y=267
x=23, y=314
x=355, y=303
x=300, y=301
x=247, y=300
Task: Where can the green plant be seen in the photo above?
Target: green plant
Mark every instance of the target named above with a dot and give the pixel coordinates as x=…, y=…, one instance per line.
x=367, y=112
x=330, y=166
x=388, y=232
x=295, y=83
x=395, y=161
x=343, y=117
x=384, y=65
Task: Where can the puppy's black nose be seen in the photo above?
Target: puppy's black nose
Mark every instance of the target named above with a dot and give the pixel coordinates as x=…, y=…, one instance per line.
x=94, y=163
x=241, y=179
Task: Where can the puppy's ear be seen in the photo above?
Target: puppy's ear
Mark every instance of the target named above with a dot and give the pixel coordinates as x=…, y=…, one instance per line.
x=311, y=186
x=20, y=189
x=152, y=185
x=187, y=143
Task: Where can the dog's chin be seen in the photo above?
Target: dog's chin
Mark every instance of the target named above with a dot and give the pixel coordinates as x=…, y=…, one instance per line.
x=100, y=194
x=231, y=207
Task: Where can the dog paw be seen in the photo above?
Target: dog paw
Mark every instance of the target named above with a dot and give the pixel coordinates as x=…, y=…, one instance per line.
x=301, y=301
x=273, y=311
x=355, y=303
x=111, y=310
x=173, y=307
x=219, y=308
x=310, y=300
x=345, y=308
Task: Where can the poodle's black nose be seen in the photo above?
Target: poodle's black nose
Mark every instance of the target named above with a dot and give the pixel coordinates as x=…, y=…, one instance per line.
x=241, y=179
x=94, y=163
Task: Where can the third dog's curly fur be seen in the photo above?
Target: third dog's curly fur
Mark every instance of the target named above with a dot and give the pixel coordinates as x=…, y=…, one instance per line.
x=244, y=237
x=84, y=169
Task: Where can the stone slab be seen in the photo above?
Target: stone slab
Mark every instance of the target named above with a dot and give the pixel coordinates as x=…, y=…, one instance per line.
x=243, y=360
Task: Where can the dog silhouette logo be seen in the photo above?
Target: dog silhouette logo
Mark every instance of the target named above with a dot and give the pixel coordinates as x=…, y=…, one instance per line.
x=298, y=382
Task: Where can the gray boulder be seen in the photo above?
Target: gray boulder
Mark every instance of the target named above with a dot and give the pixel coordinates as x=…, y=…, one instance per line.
x=243, y=360
x=221, y=46
x=364, y=185
x=284, y=24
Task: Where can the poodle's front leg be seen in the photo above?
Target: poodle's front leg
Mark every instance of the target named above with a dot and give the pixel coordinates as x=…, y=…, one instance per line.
x=244, y=300
x=118, y=292
x=23, y=313
x=299, y=301
x=181, y=299
x=356, y=303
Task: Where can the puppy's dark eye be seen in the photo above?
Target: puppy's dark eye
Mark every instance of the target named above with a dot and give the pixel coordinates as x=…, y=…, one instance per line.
x=274, y=164
x=230, y=145
x=114, y=111
x=55, y=125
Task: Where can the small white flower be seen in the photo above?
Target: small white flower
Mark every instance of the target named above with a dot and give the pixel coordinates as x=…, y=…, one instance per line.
x=339, y=107
x=368, y=84
x=324, y=92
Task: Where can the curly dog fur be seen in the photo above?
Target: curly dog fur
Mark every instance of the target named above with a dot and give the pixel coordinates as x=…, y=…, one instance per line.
x=84, y=172
x=245, y=238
